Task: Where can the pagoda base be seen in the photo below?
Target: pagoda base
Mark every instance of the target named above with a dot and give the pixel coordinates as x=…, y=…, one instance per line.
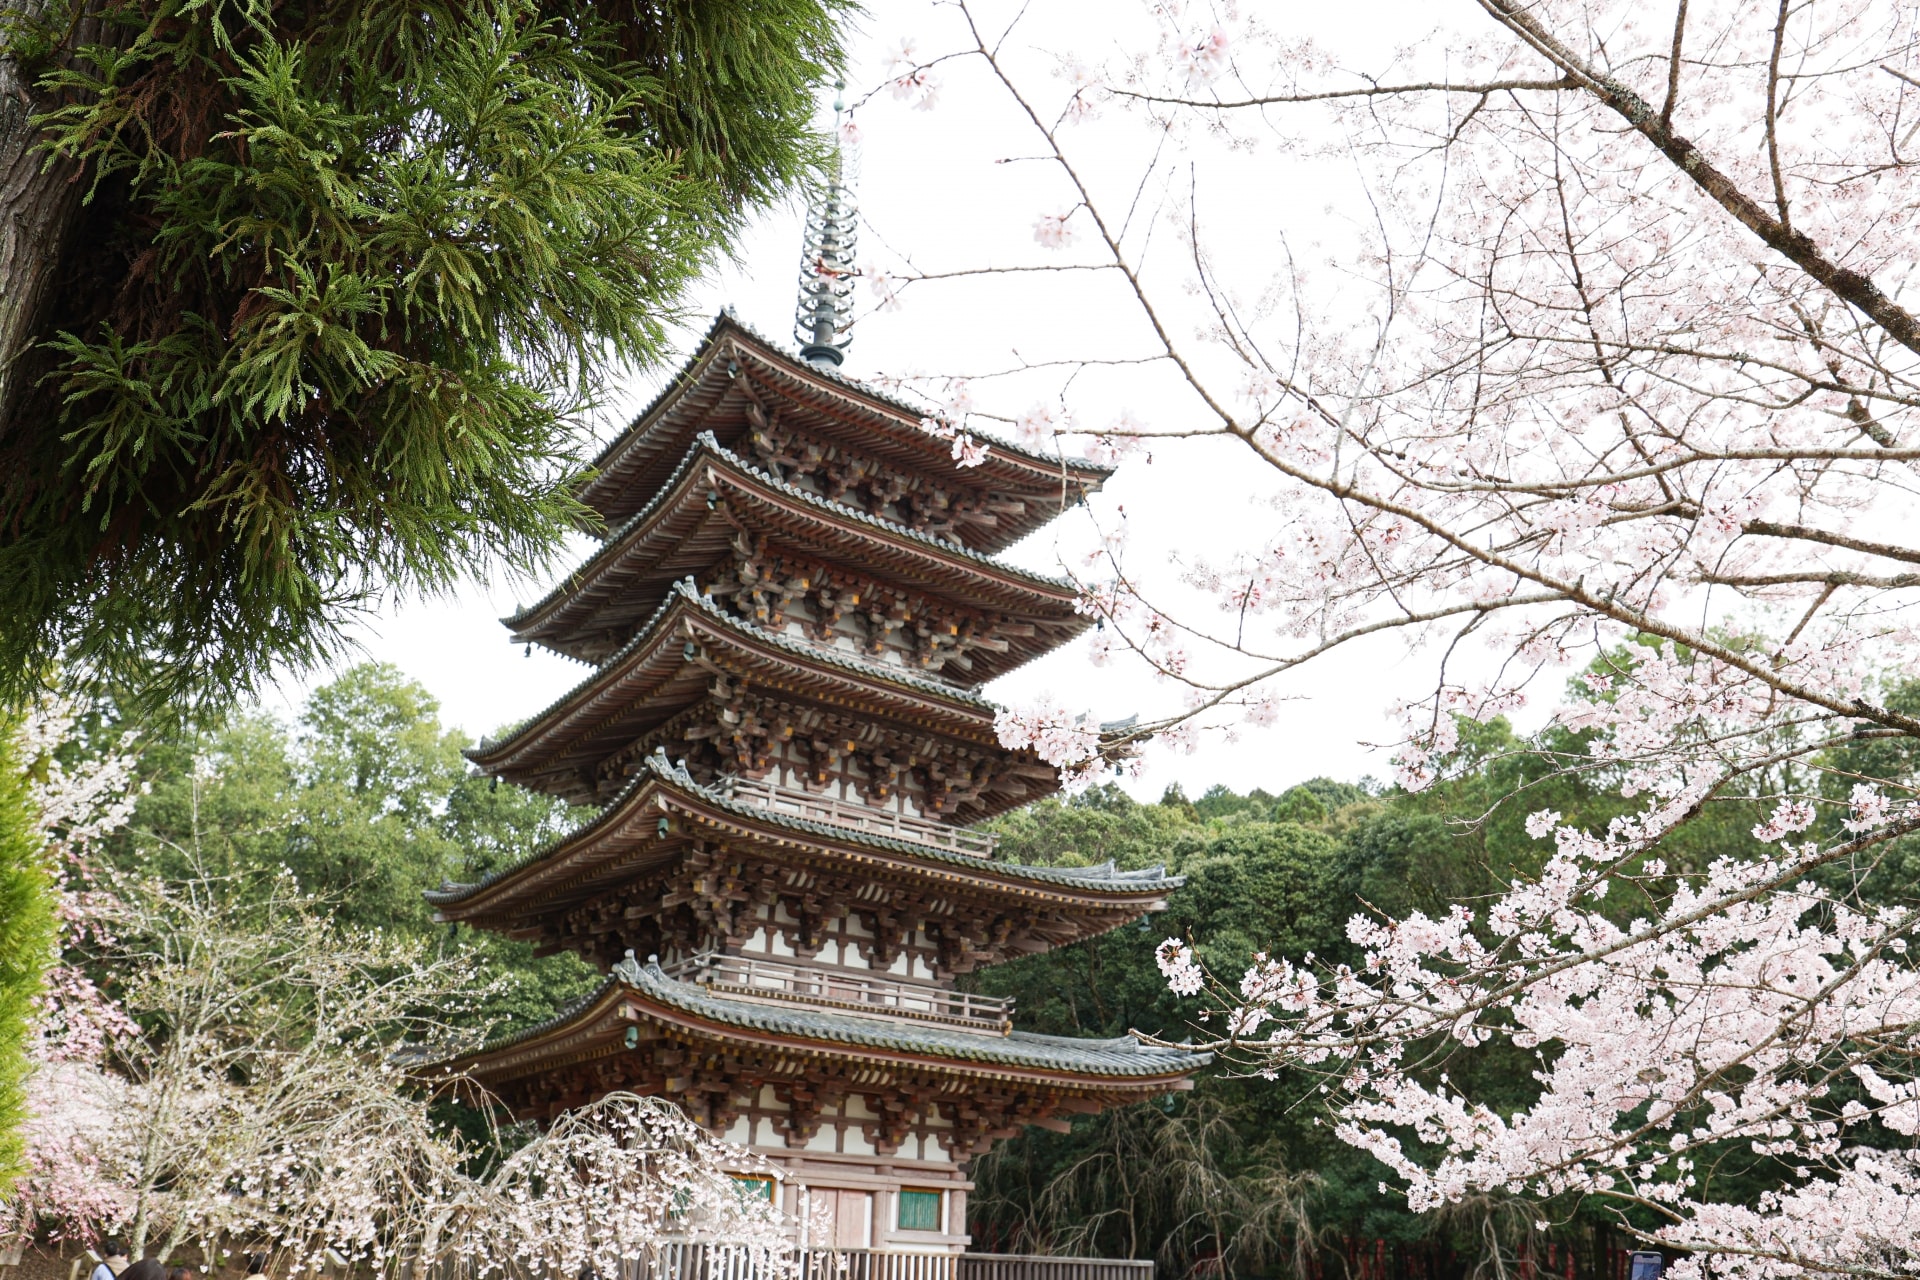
x=681, y=1260
x=885, y=1205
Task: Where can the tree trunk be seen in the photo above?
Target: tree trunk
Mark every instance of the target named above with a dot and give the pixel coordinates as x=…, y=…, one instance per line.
x=39, y=203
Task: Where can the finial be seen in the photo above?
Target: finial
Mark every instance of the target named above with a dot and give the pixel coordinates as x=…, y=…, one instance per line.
x=823, y=322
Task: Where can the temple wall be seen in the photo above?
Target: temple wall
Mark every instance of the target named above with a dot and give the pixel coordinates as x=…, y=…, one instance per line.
x=789, y=771
x=855, y=1190
x=843, y=948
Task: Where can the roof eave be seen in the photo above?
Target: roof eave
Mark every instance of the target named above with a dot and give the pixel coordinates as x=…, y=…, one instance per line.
x=726, y=324
x=526, y=624
x=660, y=781
x=683, y=603
x=650, y=992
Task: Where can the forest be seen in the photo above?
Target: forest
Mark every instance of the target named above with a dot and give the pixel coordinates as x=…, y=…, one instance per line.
x=365, y=799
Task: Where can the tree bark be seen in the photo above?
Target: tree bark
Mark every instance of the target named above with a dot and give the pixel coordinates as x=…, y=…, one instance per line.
x=39, y=205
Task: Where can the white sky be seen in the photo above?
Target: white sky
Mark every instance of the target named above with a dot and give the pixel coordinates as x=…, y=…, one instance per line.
x=938, y=187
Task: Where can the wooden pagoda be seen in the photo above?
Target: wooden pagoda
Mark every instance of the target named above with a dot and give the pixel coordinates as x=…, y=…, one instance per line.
x=788, y=623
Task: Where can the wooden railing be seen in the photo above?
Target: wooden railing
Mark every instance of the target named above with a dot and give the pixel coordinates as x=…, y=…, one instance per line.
x=1023, y=1266
x=839, y=989
x=687, y=1261
x=861, y=817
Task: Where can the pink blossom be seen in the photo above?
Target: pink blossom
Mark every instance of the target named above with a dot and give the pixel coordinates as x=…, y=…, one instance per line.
x=1788, y=817
x=1555, y=416
x=1868, y=809
x=1182, y=971
x=886, y=288
x=1206, y=57
x=1053, y=230
x=1036, y=426
x=969, y=452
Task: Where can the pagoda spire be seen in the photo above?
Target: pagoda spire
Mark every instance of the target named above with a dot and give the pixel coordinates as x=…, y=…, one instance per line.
x=823, y=321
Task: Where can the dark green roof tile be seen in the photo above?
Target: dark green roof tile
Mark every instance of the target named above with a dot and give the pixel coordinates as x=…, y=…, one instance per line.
x=1122, y=1058
x=1105, y=876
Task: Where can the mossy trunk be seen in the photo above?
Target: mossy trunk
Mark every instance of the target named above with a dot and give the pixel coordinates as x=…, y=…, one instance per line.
x=40, y=195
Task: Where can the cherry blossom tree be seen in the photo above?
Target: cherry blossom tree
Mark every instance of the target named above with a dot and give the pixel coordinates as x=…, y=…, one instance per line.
x=251, y=1081
x=608, y=1184
x=77, y=1180
x=1611, y=374
x=269, y=1098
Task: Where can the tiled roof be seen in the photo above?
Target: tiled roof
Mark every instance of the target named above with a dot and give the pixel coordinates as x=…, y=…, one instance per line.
x=728, y=318
x=826, y=506
x=1122, y=1058
x=686, y=593
x=1103, y=877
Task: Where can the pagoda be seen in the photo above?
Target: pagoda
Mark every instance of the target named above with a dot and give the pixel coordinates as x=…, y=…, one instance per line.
x=784, y=742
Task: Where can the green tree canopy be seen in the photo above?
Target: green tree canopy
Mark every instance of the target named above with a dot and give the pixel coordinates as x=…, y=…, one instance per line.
x=366, y=799
x=302, y=300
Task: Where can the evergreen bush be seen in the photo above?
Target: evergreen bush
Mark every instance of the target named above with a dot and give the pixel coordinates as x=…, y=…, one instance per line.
x=26, y=942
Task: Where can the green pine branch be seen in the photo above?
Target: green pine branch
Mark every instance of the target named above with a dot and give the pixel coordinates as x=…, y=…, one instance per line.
x=357, y=272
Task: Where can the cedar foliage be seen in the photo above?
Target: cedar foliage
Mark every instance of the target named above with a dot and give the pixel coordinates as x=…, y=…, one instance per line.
x=347, y=274
x=26, y=941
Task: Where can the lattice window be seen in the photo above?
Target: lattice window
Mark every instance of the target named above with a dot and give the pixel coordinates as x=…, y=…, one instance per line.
x=919, y=1210
x=754, y=1188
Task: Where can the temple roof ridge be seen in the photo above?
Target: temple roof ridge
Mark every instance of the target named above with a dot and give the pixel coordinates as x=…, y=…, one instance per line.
x=655, y=767
x=988, y=434
x=727, y=317
x=1117, y=1058
x=690, y=593
x=685, y=593
x=706, y=440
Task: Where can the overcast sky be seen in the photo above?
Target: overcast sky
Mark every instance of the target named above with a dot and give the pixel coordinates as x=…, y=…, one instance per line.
x=949, y=187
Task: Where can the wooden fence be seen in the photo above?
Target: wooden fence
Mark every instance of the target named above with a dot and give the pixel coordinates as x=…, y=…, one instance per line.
x=705, y=1261
x=864, y=817
x=777, y=980
x=1022, y=1266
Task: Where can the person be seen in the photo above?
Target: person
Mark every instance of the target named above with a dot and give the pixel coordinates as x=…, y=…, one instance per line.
x=113, y=1259
x=179, y=1273
x=145, y=1269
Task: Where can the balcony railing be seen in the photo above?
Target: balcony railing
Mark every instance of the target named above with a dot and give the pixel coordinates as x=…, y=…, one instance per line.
x=861, y=817
x=838, y=989
x=1021, y=1266
x=688, y=1261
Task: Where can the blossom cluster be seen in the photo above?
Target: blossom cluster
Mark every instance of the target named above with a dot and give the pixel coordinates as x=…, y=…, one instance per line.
x=1612, y=387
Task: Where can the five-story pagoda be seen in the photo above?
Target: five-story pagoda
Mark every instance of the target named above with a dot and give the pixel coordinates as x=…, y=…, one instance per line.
x=789, y=620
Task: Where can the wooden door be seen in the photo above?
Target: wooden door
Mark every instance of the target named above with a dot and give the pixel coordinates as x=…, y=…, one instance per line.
x=843, y=1218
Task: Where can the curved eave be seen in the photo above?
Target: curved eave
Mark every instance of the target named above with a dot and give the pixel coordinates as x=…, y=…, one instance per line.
x=637, y=995
x=607, y=849
x=610, y=701
x=631, y=463
x=639, y=559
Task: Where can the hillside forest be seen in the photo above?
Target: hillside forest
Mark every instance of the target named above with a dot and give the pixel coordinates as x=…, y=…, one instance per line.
x=365, y=798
